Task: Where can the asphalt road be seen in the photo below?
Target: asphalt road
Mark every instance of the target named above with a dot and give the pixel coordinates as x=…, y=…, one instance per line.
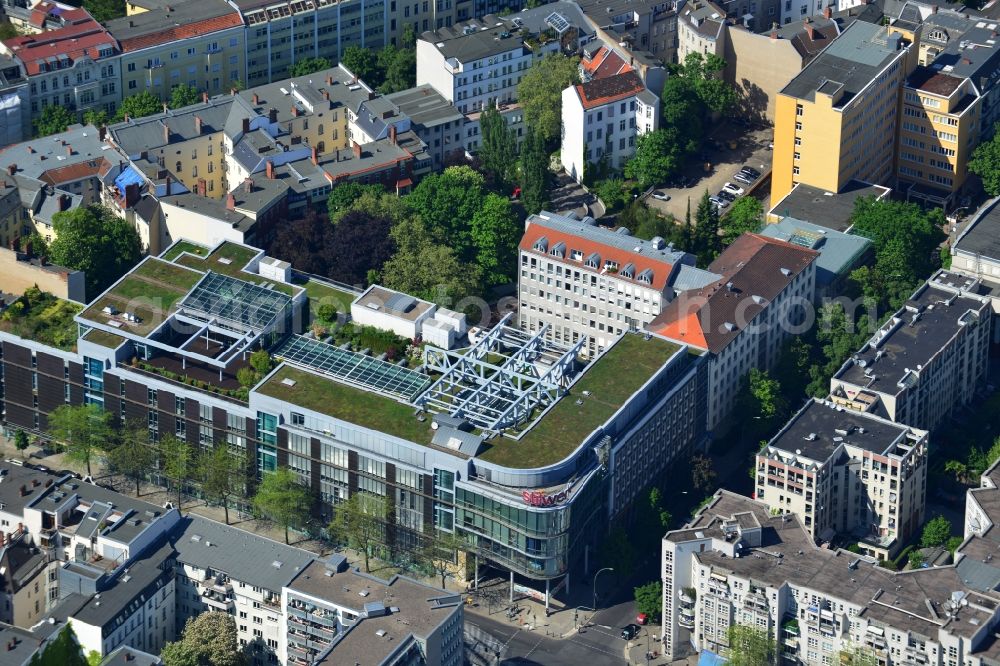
x=597, y=645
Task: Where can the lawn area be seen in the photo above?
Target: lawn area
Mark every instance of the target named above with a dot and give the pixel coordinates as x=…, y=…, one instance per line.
x=611, y=380
x=238, y=257
x=103, y=338
x=161, y=271
x=181, y=247
x=320, y=294
x=42, y=317
x=347, y=403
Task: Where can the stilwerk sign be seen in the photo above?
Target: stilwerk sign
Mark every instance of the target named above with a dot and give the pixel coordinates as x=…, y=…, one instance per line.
x=540, y=498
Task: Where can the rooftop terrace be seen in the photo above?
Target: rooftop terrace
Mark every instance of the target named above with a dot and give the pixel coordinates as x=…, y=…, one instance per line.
x=230, y=259
x=42, y=317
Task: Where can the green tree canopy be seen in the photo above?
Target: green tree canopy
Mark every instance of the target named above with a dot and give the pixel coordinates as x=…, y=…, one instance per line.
x=360, y=523
x=21, y=440
x=425, y=266
x=985, y=163
x=105, y=10
x=342, y=197
x=209, y=639
x=8, y=31
x=705, y=240
x=133, y=455
x=52, y=120
x=936, y=532
x=746, y=215
x=308, y=66
x=498, y=152
x=84, y=431
x=177, y=463
x=447, y=201
x=655, y=160
x=399, y=69
x=535, y=174
x=283, y=500
x=95, y=240
x=223, y=475
x=139, y=106
x=362, y=63
x=183, y=95
x=63, y=650
x=749, y=646
x=495, y=234
x=96, y=117
x=440, y=553
x=649, y=599
x=540, y=93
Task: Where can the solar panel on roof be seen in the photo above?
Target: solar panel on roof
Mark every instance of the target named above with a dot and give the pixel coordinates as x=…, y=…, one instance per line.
x=557, y=22
x=400, y=303
x=236, y=303
x=353, y=368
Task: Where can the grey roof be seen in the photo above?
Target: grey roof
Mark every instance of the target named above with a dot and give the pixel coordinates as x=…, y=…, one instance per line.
x=838, y=252
x=851, y=62
x=40, y=156
x=826, y=209
x=206, y=544
x=165, y=17
x=116, y=602
x=692, y=277
x=916, y=340
x=457, y=440
x=602, y=11
x=484, y=39
x=813, y=432
x=425, y=106
x=254, y=148
x=374, y=156
x=13, y=477
x=11, y=71
x=982, y=237
x=128, y=656
x=374, y=117
x=973, y=54
x=140, y=515
x=605, y=236
x=305, y=93
x=263, y=193
x=147, y=133
x=23, y=642
x=533, y=20
x=213, y=208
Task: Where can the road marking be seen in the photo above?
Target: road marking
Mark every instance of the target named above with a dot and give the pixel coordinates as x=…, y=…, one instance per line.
x=591, y=646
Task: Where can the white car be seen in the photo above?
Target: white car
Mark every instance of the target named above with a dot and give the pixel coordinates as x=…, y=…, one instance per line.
x=733, y=189
x=718, y=203
x=660, y=196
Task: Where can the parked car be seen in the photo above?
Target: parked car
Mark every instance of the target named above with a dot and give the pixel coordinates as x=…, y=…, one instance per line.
x=734, y=189
x=661, y=196
x=630, y=631
x=728, y=196
x=642, y=619
x=719, y=203
x=743, y=178
x=750, y=172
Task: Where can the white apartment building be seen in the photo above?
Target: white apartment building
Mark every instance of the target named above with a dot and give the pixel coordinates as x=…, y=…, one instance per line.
x=735, y=563
x=601, y=119
x=976, y=253
x=929, y=358
x=847, y=473
x=751, y=299
x=701, y=28
x=585, y=281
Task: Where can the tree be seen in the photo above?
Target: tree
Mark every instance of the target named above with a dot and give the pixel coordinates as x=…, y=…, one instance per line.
x=649, y=599
x=656, y=505
x=360, y=242
x=936, y=532
x=139, y=106
x=8, y=31
x=857, y=655
x=308, y=66
x=705, y=240
x=96, y=117
x=209, y=639
x=702, y=472
x=535, y=174
x=133, y=455
x=495, y=234
x=282, y=499
x=617, y=551
x=446, y=202
x=398, y=67
x=223, y=474
x=749, y=646
x=746, y=215
x=498, y=152
x=655, y=159
x=361, y=62
x=985, y=163
x=183, y=95
x=63, y=650
x=305, y=243
x=177, y=463
x=360, y=523
x=95, y=240
x=440, y=553
x=105, y=10
x=540, y=93
x=52, y=120
x=342, y=197
x=958, y=468
x=915, y=559
x=426, y=267
x=21, y=441
x=83, y=430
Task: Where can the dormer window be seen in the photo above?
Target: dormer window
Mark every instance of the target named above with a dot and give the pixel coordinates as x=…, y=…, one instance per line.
x=594, y=260
x=628, y=271
x=541, y=245
x=576, y=255
x=646, y=277
x=558, y=250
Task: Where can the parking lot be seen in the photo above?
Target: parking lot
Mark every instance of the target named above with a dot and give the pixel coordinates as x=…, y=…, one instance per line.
x=752, y=148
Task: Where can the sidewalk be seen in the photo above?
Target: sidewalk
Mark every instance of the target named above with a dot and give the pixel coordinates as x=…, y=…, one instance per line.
x=636, y=649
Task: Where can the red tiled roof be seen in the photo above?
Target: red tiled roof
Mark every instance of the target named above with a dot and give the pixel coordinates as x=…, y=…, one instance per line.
x=662, y=270
x=187, y=31
x=605, y=63
x=753, y=266
x=611, y=89
x=80, y=35
x=74, y=172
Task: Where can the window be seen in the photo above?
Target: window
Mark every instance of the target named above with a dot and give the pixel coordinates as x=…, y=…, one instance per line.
x=205, y=413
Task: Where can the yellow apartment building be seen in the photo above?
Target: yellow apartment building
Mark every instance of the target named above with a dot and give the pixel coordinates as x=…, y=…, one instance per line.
x=836, y=121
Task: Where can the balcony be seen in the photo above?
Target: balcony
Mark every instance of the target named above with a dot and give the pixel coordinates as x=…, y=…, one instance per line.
x=217, y=601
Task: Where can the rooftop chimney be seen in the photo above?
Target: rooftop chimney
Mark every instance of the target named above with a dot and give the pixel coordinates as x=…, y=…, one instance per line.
x=295, y=111
x=230, y=201
x=64, y=201
x=165, y=107
x=102, y=132
x=166, y=133
x=827, y=12
x=197, y=124
x=392, y=134
x=270, y=170
x=69, y=151
x=31, y=149
x=809, y=29
x=315, y=157
x=329, y=80
x=11, y=169
x=232, y=91
x=167, y=185
x=256, y=99
x=326, y=95
x=357, y=149
x=248, y=185
x=934, y=9
x=204, y=97
x=272, y=115
x=246, y=125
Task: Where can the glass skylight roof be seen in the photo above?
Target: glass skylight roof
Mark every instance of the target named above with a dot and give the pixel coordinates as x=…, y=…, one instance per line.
x=234, y=303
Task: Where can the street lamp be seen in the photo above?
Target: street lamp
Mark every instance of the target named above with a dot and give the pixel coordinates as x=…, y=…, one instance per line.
x=595, y=585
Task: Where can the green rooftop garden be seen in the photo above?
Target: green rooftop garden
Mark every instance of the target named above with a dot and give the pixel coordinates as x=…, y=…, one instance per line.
x=181, y=247
x=320, y=294
x=38, y=315
x=347, y=403
x=103, y=338
x=230, y=259
x=610, y=380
